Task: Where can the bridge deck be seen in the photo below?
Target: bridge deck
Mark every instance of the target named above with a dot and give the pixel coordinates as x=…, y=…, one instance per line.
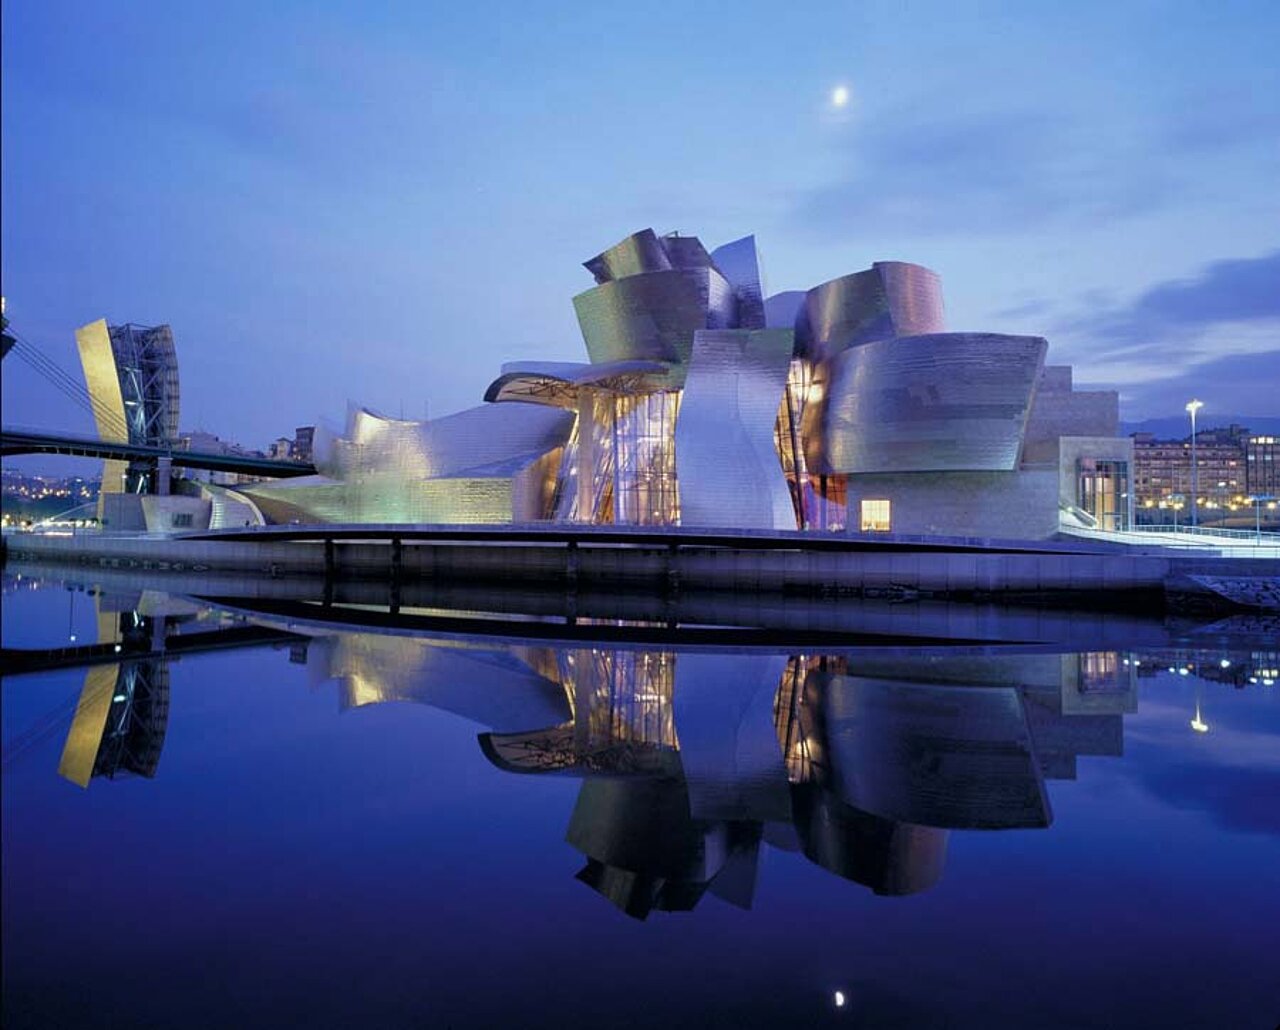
x=22, y=441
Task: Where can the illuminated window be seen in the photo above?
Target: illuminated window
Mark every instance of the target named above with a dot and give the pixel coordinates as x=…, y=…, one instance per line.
x=875, y=516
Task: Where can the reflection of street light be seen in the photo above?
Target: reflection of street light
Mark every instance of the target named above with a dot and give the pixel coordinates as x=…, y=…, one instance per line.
x=1193, y=407
x=1198, y=724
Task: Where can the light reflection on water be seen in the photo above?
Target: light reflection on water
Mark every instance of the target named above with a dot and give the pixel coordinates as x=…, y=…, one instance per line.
x=784, y=783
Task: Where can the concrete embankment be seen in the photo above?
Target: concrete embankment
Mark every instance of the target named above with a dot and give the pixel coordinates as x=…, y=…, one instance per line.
x=672, y=562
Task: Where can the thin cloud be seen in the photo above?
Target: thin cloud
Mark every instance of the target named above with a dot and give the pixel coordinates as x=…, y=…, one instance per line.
x=1220, y=328
x=995, y=173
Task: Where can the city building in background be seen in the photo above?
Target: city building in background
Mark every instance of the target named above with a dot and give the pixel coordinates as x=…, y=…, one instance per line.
x=303, y=442
x=1262, y=465
x=706, y=402
x=1234, y=466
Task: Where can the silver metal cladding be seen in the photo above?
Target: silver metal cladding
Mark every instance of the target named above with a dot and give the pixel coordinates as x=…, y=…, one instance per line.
x=727, y=466
x=940, y=402
x=653, y=316
x=892, y=298
x=739, y=262
x=640, y=252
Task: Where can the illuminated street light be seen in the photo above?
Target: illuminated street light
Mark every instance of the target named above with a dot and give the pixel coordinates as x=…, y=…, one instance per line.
x=1192, y=408
x=1258, y=500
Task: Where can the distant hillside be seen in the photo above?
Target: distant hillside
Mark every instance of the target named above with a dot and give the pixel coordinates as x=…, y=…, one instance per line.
x=1175, y=428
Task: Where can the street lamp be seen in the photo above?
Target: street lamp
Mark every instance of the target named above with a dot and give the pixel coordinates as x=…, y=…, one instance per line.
x=1258, y=500
x=1192, y=408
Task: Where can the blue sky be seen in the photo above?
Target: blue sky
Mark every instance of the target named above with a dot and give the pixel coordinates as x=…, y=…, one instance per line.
x=383, y=202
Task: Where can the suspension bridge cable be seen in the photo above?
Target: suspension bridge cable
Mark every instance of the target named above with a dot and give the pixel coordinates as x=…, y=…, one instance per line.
x=67, y=384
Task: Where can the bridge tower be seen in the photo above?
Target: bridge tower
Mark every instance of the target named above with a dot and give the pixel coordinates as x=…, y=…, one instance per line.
x=132, y=375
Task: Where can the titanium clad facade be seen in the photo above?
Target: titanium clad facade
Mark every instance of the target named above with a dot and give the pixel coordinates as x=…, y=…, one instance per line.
x=490, y=464
x=782, y=309
x=938, y=403
x=726, y=460
x=889, y=299
x=844, y=408
x=914, y=294
x=640, y=252
x=653, y=316
x=739, y=262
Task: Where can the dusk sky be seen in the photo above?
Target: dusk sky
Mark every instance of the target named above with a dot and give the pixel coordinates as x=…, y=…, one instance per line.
x=381, y=203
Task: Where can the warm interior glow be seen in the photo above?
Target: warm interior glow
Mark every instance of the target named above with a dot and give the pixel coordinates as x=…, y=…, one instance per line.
x=875, y=516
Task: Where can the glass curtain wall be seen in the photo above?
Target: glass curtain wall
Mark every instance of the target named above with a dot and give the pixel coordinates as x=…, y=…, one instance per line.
x=626, y=444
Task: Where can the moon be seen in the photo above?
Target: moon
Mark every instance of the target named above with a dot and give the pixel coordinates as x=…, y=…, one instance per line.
x=840, y=96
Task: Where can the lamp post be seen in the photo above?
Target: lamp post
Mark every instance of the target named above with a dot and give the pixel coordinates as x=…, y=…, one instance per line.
x=1258, y=501
x=1192, y=407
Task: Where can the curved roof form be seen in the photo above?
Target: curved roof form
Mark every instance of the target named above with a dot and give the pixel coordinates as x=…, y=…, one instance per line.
x=653, y=316
x=558, y=383
x=739, y=262
x=482, y=440
x=638, y=253
x=891, y=298
x=944, y=402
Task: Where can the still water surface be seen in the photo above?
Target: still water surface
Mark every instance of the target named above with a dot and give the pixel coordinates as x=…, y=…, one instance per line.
x=314, y=826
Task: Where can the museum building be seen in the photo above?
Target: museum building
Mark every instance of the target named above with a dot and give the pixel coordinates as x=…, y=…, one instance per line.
x=704, y=402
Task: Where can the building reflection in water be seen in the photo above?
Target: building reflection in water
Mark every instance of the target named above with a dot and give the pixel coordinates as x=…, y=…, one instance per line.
x=692, y=761
x=863, y=763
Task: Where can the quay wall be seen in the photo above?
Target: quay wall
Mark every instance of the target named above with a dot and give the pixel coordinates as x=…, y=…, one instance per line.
x=1094, y=579
x=600, y=565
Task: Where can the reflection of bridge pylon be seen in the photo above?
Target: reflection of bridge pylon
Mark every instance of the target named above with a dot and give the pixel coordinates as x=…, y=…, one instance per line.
x=120, y=720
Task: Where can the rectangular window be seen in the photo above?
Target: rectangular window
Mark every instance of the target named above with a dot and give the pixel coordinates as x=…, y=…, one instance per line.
x=875, y=517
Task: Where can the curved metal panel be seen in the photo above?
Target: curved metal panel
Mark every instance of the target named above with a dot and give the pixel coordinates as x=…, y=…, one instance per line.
x=782, y=309
x=739, y=262
x=474, y=466
x=653, y=316
x=726, y=462
x=892, y=298
x=640, y=252
x=915, y=298
x=685, y=251
x=943, y=402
